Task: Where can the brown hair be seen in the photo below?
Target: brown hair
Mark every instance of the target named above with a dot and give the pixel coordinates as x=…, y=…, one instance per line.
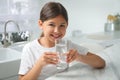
x=51, y=10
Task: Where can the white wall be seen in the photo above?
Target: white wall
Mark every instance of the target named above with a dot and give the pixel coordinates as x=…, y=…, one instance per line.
x=88, y=16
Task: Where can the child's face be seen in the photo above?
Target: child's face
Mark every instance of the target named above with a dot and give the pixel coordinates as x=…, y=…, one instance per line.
x=54, y=28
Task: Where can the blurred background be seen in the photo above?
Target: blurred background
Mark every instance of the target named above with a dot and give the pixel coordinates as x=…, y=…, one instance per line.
x=84, y=15
x=94, y=24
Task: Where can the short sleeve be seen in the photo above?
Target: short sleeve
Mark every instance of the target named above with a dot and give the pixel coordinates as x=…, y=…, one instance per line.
x=25, y=64
x=80, y=49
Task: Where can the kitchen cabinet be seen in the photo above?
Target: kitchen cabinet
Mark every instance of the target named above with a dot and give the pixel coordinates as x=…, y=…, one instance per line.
x=12, y=78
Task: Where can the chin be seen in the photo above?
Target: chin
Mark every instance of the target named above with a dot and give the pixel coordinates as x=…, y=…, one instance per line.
x=52, y=40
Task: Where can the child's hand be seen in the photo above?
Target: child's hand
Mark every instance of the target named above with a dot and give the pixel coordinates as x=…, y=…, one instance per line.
x=71, y=55
x=49, y=58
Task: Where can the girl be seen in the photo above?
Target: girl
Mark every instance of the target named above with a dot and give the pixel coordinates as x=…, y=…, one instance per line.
x=39, y=58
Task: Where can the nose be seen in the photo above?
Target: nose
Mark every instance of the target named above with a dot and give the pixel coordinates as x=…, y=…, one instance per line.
x=56, y=29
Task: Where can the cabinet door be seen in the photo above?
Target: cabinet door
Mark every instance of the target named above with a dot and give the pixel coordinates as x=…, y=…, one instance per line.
x=12, y=78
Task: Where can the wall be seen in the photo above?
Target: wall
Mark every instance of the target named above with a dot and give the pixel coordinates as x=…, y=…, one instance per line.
x=88, y=16
x=85, y=15
x=24, y=12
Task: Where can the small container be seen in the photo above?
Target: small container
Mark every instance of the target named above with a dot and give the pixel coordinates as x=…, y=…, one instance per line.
x=109, y=27
x=113, y=23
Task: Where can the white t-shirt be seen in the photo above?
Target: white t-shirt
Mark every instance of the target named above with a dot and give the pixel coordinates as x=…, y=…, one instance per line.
x=33, y=50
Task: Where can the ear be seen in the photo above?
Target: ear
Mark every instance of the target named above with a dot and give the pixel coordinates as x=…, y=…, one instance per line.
x=40, y=24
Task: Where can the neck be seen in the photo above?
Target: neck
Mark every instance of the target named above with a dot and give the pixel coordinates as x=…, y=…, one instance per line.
x=46, y=43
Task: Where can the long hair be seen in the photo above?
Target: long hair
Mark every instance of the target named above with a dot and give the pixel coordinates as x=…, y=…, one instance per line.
x=51, y=10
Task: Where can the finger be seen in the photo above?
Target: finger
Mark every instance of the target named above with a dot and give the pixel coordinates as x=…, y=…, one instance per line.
x=72, y=59
x=72, y=55
x=50, y=59
x=50, y=53
x=69, y=54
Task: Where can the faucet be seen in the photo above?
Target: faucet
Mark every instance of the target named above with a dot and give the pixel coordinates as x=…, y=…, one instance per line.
x=6, y=42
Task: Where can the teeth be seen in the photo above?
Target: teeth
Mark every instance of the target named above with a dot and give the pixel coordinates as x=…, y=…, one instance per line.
x=56, y=36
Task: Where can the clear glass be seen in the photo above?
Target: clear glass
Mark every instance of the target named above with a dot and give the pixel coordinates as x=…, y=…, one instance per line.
x=61, y=49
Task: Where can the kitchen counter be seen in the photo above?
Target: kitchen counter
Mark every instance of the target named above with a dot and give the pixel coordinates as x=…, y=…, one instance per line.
x=79, y=71
x=111, y=54
x=104, y=35
x=10, y=61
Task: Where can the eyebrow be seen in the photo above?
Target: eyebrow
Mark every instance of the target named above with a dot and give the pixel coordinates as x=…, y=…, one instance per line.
x=61, y=23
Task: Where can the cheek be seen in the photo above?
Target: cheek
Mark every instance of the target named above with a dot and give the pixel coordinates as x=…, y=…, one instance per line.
x=48, y=31
x=63, y=31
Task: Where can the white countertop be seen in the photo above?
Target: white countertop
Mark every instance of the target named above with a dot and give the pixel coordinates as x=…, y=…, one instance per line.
x=80, y=71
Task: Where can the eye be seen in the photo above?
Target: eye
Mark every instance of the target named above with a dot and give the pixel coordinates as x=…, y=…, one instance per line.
x=62, y=25
x=52, y=25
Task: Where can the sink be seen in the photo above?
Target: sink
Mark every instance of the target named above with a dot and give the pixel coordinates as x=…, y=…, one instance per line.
x=9, y=62
x=7, y=54
x=17, y=46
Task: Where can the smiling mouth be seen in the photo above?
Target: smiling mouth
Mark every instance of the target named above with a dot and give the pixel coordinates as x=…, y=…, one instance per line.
x=56, y=36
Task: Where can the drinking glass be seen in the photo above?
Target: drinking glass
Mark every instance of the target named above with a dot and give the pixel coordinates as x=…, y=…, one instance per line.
x=61, y=49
